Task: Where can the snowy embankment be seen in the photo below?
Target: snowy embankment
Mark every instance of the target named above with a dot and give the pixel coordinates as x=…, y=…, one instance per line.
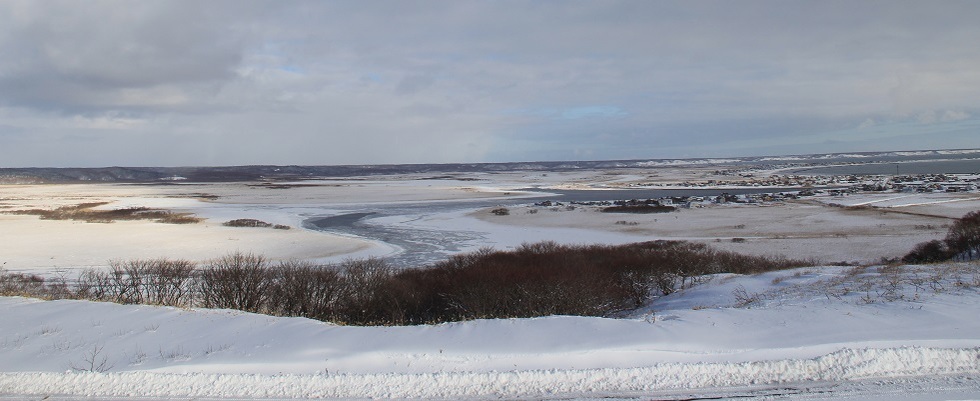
x=797, y=327
x=844, y=365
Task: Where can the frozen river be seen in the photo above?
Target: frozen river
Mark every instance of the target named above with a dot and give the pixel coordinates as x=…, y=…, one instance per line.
x=408, y=227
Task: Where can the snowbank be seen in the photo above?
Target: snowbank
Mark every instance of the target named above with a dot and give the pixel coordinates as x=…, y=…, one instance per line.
x=844, y=365
x=802, y=326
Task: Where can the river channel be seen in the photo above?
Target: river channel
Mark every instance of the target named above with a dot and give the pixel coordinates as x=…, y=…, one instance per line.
x=421, y=245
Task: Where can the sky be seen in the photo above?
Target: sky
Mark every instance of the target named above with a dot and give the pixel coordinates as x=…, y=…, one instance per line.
x=191, y=83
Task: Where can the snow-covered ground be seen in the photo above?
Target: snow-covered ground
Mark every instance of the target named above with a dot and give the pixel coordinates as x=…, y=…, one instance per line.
x=815, y=333
x=812, y=333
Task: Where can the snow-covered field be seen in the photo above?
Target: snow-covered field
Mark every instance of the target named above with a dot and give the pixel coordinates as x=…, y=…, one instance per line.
x=831, y=331
x=814, y=333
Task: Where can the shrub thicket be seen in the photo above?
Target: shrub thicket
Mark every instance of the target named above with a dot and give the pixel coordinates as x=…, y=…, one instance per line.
x=963, y=236
x=237, y=281
x=140, y=281
x=534, y=280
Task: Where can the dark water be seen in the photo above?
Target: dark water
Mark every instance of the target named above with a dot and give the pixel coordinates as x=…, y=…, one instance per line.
x=338, y=221
x=916, y=167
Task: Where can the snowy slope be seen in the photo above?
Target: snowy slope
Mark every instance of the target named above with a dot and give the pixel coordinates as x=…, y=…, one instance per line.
x=811, y=326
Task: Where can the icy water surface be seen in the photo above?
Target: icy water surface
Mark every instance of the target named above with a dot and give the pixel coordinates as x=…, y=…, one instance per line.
x=420, y=245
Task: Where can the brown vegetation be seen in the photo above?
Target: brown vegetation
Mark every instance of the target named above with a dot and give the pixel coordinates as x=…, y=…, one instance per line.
x=501, y=211
x=253, y=223
x=534, y=280
x=86, y=212
x=963, y=237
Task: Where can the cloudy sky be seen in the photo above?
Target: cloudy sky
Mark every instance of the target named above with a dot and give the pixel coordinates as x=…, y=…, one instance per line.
x=171, y=83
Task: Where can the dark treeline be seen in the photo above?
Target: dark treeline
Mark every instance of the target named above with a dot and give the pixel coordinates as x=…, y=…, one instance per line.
x=534, y=280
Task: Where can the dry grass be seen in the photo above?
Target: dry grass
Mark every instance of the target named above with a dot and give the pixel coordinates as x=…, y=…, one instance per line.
x=253, y=223
x=86, y=212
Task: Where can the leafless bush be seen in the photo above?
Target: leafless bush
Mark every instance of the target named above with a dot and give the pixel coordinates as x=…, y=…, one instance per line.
x=365, y=298
x=304, y=289
x=743, y=298
x=20, y=284
x=534, y=280
x=139, y=281
x=169, y=282
x=928, y=252
x=94, y=360
x=547, y=278
x=237, y=281
x=963, y=237
x=34, y=286
x=964, y=234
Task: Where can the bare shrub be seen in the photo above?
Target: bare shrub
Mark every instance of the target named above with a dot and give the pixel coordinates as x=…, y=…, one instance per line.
x=963, y=237
x=237, y=281
x=928, y=252
x=964, y=234
x=743, y=298
x=94, y=285
x=94, y=360
x=304, y=289
x=127, y=280
x=364, y=297
x=547, y=278
x=534, y=280
x=139, y=281
x=169, y=282
x=25, y=285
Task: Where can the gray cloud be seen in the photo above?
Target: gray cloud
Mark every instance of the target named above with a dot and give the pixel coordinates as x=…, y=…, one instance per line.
x=105, y=56
x=229, y=82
